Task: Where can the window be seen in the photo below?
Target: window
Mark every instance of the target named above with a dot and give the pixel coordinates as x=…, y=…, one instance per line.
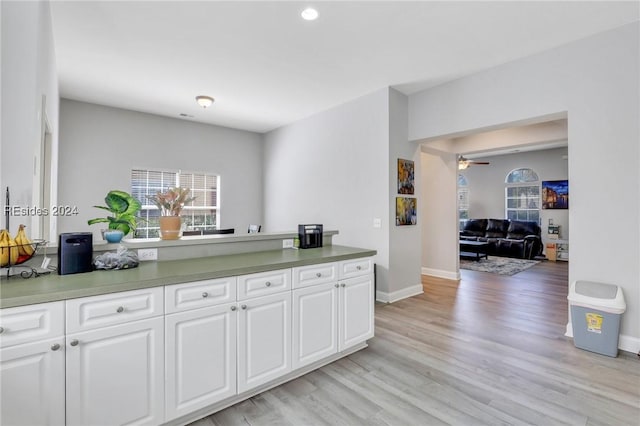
x=202, y=213
x=522, y=195
x=463, y=201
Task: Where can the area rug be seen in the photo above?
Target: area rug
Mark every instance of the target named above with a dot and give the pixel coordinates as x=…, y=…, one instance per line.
x=498, y=265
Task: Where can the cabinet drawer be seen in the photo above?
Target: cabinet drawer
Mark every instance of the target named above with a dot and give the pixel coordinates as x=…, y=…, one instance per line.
x=116, y=308
x=356, y=267
x=29, y=323
x=198, y=294
x=305, y=276
x=263, y=283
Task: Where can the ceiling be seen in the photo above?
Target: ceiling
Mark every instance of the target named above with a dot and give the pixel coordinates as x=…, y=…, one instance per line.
x=266, y=67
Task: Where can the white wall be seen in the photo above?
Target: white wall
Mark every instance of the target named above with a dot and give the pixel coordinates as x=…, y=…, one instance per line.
x=100, y=145
x=404, y=259
x=439, y=214
x=333, y=168
x=28, y=73
x=596, y=82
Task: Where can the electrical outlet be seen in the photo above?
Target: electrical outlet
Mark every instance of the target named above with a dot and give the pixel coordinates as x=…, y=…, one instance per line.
x=147, y=254
x=287, y=243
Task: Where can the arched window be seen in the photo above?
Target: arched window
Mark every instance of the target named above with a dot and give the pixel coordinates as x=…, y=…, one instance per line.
x=522, y=195
x=463, y=201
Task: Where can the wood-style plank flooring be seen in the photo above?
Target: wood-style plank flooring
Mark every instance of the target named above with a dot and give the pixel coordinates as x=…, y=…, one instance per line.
x=486, y=350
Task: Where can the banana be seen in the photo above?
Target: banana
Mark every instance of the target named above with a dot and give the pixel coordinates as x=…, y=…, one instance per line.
x=4, y=248
x=25, y=247
x=8, y=249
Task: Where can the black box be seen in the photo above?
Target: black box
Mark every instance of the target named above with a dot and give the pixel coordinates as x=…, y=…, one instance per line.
x=75, y=253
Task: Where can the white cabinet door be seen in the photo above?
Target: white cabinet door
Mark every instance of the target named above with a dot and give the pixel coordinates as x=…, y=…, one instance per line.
x=264, y=339
x=32, y=383
x=356, y=311
x=315, y=323
x=200, y=358
x=115, y=375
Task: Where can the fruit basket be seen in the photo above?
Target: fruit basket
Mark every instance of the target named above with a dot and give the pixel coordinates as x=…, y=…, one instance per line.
x=11, y=265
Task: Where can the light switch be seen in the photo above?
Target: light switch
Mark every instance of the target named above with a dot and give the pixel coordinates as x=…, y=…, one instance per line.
x=377, y=222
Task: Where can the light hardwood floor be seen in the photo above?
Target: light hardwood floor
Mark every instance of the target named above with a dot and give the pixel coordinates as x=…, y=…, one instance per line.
x=485, y=350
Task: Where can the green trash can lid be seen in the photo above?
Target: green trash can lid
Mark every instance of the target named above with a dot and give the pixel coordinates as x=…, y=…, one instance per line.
x=604, y=297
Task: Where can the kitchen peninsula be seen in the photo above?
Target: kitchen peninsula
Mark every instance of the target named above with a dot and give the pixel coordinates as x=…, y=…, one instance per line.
x=172, y=341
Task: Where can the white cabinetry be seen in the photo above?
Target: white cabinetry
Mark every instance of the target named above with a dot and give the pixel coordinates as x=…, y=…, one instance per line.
x=200, y=345
x=264, y=329
x=263, y=283
x=356, y=311
x=115, y=373
x=32, y=365
x=162, y=354
x=315, y=323
x=330, y=317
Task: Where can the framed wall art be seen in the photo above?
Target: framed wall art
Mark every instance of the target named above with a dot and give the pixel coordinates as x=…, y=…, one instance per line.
x=555, y=194
x=406, y=211
x=406, y=176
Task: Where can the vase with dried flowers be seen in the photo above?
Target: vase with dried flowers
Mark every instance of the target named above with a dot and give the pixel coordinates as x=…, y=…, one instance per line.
x=171, y=202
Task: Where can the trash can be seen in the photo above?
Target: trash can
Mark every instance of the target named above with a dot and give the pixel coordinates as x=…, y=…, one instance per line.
x=596, y=309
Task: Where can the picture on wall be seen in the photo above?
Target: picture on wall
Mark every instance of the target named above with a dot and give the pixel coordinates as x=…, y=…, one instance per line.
x=555, y=194
x=406, y=211
x=406, y=176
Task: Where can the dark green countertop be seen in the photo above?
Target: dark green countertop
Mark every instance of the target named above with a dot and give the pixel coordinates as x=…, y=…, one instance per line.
x=17, y=291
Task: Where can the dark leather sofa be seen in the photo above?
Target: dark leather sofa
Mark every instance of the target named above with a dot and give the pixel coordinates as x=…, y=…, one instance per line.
x=508, y=238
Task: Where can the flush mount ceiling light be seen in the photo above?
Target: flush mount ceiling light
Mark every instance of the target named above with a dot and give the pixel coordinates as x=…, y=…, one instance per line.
x=204, y=101
x=309, y=14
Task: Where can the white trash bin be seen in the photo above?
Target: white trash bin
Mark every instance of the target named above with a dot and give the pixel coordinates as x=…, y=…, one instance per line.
x=596, y=309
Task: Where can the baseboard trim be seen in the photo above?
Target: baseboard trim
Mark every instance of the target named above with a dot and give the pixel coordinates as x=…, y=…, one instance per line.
x=625, y=343
x=439, y=273
x=384, y=297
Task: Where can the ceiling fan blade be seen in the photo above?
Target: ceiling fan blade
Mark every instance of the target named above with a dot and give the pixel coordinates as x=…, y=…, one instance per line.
x=479, y=162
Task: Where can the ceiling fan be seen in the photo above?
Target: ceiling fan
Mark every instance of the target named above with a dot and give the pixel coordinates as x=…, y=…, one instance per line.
x=463, y=163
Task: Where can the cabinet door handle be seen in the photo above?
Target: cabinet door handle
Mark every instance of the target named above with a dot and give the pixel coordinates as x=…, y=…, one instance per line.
x=268, y=283
x=233, y=308
x=336, y=285
x=343, y=285
x=358, y=267
x=55, y=346
x=120, y=309
x=205, y=294
x=1, y=330
x=318, y=275
x=244, y=306
x=74, y=342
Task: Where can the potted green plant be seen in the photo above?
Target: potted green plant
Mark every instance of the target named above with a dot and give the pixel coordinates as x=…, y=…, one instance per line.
x=171, y=202
x=123, y=208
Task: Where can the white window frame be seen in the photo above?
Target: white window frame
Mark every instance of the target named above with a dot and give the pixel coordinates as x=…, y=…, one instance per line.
x=463, y=199
x=525, y=183
x=175, y=178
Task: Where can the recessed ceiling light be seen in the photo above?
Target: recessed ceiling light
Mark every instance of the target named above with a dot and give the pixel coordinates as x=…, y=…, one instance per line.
x=309, y=14
x=204, y=101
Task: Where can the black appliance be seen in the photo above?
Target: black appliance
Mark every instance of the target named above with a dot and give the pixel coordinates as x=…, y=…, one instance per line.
x=75, y=252
x=310, y=236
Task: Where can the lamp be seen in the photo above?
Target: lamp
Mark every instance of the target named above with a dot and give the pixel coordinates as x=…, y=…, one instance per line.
x=204, y=101
x=463, y=164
